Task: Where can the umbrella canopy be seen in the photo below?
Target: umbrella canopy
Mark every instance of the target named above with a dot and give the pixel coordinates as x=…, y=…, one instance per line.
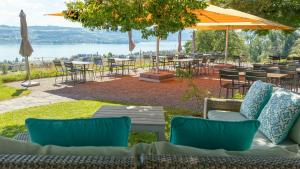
x=131, y=43
x=216, y=18
x=25, y=48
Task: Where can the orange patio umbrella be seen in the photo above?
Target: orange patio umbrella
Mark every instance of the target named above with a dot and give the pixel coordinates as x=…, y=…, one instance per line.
x=216, y=18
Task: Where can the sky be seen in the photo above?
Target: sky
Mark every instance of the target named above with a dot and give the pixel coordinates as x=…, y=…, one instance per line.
x=35, y=11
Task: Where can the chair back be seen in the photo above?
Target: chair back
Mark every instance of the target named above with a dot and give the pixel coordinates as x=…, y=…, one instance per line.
x=272, y=70
x=170, y=57
x=181, y=56
x=252, y=76
x=69, y=66
x=98, y=61
x=146, y=56
x=229, y=74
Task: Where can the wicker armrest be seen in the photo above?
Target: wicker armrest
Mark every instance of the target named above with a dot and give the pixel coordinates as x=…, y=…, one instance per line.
x=191, y=162
x=22, y=137
x=65, y=162
x=221, y=104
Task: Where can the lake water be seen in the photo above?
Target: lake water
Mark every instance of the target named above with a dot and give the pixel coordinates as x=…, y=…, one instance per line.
x=49, y=52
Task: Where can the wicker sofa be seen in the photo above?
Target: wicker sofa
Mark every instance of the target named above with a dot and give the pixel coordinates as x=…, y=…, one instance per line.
x=142, y=161
x=228, y=109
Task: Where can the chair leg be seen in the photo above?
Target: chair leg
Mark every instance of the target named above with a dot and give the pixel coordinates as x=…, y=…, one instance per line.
x=227, y=93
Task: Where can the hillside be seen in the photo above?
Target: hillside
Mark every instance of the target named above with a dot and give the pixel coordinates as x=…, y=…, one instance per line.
x=67, y=35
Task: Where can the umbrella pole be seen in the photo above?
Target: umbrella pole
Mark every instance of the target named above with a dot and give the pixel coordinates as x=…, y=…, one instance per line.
x=27, y=69
x=226, y=44
x=157, y=54
x=194, y=41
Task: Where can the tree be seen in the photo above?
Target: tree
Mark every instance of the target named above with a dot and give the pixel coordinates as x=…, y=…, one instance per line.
x=283, y=11
x=295, y=50
x=208, y=41
x=153, y=17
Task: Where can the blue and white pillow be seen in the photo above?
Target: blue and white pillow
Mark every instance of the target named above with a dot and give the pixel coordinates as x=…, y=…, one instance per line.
x=256, y=99
x=279, y=115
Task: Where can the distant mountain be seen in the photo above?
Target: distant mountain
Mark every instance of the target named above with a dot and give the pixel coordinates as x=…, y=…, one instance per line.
x=67, y=35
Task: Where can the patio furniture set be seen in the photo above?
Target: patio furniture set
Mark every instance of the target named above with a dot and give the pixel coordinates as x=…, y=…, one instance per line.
x=272, y=140
x=195, y=63
x=78, y=70
x=286, y=75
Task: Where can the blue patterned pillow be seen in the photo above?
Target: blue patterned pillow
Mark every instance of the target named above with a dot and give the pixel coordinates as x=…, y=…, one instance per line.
x=256, y=99
x=279, y=115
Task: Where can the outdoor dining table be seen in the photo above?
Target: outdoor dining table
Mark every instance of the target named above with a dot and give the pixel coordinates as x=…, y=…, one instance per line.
x=187, y=60
x=84, y=65
x=122, y=61
x=270, y=76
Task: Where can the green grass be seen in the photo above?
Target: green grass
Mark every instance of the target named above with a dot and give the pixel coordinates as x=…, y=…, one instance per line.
x=7, y=92
x=35, y=73
x=12, y=123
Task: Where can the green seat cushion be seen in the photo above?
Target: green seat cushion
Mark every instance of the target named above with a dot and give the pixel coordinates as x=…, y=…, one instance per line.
x=225, y=115
x=279, y=115
x=211, y=134
x=80, y=132
x=256, y=98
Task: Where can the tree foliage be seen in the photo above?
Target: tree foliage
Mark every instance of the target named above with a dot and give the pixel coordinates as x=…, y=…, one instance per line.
x=152, y=17
x=283, y=11
x=214, y=41
x=295, y=50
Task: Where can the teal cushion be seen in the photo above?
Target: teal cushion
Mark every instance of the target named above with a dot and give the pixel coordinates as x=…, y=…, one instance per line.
x=279, y=115
x=80, y=132
x=211, y=134
x=256, y=99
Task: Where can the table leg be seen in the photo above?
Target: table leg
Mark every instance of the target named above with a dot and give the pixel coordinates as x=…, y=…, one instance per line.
x=161, y=136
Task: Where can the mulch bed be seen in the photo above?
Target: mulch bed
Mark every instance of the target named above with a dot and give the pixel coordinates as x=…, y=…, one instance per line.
x=132, y=90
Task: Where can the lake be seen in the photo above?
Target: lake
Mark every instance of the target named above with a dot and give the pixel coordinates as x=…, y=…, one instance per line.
x=49, y=52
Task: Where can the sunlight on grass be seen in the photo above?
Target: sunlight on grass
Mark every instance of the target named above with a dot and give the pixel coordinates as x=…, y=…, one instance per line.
x=7, y=92
x=12, y=123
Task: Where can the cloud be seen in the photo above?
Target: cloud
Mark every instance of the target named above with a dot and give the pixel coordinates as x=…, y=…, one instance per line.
x=35, y=11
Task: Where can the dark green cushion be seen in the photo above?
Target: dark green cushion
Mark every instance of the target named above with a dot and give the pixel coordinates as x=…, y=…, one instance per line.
x=80, y=132
x=211, y=134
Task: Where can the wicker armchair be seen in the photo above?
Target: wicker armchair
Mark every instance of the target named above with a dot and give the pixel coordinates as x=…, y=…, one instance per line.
x=221, y=104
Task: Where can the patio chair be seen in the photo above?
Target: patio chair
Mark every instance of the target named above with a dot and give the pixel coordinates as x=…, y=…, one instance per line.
x=211, y=65
x=232, y=83
x=289, y=81
x=204, y=65
x=252, y=76
x=131, y=64
x=72, y=71
x=60, y=71
x=146, y=61
x=112, y=65
x=99, y=66
x=170, y=60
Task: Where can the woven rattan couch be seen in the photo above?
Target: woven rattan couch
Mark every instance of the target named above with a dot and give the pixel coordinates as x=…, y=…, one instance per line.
x=142, y=162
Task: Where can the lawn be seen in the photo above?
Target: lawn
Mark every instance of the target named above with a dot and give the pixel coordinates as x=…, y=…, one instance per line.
x=7, y=92
x=12, y=123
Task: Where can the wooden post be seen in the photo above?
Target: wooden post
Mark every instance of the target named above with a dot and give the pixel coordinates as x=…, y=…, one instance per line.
x=226, y=45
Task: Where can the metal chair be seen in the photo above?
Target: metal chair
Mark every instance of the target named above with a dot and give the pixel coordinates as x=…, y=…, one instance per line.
x=60, y=71
x=99, y=66
x=252, y=76
x=234, y=84
x=289, y=81
x=112, y=65
x=72, y=71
